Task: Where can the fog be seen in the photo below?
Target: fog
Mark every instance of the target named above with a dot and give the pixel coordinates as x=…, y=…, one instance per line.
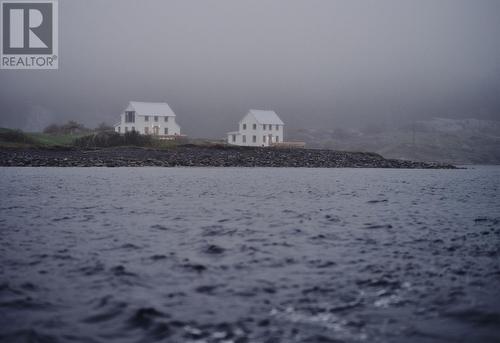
x=317, y=63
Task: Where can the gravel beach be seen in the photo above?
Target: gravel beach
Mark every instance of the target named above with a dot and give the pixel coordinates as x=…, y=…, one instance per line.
x=215, y=156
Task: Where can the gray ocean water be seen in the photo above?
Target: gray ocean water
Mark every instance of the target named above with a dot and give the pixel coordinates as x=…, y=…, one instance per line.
x=249, y=255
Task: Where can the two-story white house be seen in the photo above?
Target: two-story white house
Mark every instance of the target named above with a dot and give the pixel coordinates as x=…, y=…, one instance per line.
x=149, y=118
x=258, y=128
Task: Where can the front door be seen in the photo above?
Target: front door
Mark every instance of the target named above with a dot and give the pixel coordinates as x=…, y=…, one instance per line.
x=156, y=130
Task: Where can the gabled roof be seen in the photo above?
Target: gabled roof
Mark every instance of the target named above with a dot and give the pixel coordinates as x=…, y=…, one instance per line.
x=266, y=117
x=150, y=108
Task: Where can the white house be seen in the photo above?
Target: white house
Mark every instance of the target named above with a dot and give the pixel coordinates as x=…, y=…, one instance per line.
x=149, y=118
x=258, y=128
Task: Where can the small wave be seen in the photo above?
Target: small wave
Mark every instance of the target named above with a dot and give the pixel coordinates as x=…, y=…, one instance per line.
x=381, y=282
x=121, y=271
x=92, y=270
x=477, y=315
x=158, y=257
x=29, y=335
x=195, y=267
x=337, y=327
x=7, y=290
x=487, y=220
x=213, y=249
x=206, y=289
x=61, y=219
x=376, y=201
x=129, y=246
x=159, y=227
x=27, y=303
x=114, y=311
x=377, y=226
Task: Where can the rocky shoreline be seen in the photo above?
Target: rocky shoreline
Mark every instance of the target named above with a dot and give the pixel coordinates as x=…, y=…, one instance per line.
x=202, y=156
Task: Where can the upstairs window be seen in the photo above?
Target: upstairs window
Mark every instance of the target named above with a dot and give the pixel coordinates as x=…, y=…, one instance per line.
x=130, y=117
x=156, y=118
x=244, y=126
x=166, y=119
x=277, y=127
x=255, y=126
x=264, y=127
x=146, y=118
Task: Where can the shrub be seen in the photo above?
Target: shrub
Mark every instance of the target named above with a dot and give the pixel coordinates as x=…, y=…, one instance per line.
x=104, y=127
x=71, y=127
x=52, y=129
x=134, y=138
x=15, y=136
x=110, y=139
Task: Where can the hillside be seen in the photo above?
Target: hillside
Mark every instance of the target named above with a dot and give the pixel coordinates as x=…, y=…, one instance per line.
x=457, y=141
x=18, y=139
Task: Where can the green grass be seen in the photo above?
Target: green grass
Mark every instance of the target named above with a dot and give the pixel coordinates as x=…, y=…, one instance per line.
x=45, y=139
x=18, y=139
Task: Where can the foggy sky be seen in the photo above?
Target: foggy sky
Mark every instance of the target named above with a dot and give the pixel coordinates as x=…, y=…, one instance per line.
x=318, y=63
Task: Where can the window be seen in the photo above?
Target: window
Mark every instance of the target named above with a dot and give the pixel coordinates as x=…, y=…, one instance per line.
x=255, y=126
x=166, y=119
x=156, y=118
x=118, y=129
x=146, y=118
x=133, y=128
x=254, y=139
x=166, y=130
x=277, y=139
x=234, y=138
x=244, y=139
x=244, y=126
x=126, y=128
x=264, y=127
x=277, y=127
x=146, y=130
x=130, y=117
x=264, y=139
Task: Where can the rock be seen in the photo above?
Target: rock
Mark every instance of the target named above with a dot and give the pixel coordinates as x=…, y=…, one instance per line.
x=203, y=156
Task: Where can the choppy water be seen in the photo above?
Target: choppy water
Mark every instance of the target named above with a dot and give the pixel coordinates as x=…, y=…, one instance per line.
x=249, y=255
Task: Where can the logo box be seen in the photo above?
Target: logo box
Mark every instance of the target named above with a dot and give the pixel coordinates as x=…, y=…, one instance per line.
x=29, y=34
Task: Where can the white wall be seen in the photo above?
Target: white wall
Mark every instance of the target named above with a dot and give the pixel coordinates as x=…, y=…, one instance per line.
x=238, y=139
x=140, y=124
x=258, y=132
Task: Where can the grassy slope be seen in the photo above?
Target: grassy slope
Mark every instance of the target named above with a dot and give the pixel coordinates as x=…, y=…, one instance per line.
x=44, y=140
x=35, y=139
x=52, y=140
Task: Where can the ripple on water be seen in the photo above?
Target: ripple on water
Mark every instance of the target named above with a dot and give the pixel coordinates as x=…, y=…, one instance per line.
x=186, y=255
